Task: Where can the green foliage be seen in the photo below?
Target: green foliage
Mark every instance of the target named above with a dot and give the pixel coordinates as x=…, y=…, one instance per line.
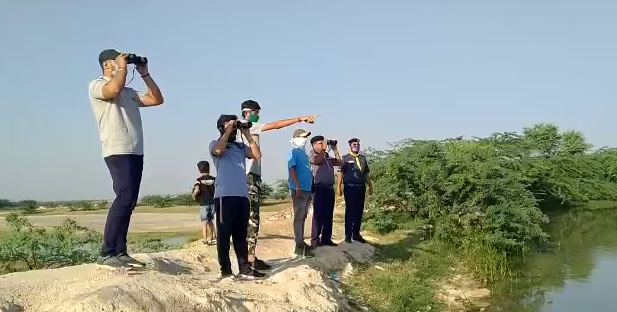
x=281, y=189
x=5, y=203
x=166, y=201
x=29, y=206
x=103, y=205
x=484, y=195
x=266, y=191
x=27, y=247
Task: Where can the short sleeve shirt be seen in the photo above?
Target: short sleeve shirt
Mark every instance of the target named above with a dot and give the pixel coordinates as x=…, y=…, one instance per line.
x=352, y=173
x=231, y=170
x=118, y=119
x=299, y=160
x=323, y=173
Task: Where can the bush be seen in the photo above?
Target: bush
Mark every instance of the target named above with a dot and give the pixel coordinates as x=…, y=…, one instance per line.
x=157, y=201
x=28, y=248
x=486, y=194
x=29, y=206
x=103, y=205
x=281, y=189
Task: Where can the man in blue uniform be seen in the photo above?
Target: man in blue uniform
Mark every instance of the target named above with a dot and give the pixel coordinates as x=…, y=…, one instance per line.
x=354, y=176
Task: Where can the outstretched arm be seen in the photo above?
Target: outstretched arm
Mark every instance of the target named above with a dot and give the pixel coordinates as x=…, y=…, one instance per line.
x=288, y=122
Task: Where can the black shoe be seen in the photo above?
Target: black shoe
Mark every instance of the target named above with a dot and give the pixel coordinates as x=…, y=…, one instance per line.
x=304, y=251
x=347, y=240
x=360, y=239
x=308, y=253
x=329, y=243
x=251, y=274
x=309, y=247
x=261, y=265
x=130, y=261
x=112, y=261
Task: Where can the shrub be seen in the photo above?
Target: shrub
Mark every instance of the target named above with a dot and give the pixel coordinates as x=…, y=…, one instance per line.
x=281, y=189
x=29, y=206
x=27, y=247
x=485, y=195
x=157, y=201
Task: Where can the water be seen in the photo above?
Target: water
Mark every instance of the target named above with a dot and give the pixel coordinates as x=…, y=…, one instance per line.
x=577, y=273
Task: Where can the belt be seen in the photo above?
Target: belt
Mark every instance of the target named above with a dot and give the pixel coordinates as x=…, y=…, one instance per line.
x=324, y=185
x=355, y=184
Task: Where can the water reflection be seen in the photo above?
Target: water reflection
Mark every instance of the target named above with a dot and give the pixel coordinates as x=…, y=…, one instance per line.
x=577, y=272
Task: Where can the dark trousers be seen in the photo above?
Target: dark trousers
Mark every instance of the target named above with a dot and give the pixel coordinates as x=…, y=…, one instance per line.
x=232, y=220
x=323, y=212
x=354, y=208
x=125, y=173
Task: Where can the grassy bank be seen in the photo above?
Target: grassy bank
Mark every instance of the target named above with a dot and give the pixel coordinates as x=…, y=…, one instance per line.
x=405, y=276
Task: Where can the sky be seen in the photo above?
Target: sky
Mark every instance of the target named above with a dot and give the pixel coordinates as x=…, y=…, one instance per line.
x=381, y=71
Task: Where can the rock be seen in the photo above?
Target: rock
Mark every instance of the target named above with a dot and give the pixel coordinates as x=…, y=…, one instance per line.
x=183, y=281
x=9, y=307
x=474, y=294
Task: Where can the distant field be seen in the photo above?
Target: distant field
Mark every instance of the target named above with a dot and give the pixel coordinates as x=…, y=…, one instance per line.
x=267, y=206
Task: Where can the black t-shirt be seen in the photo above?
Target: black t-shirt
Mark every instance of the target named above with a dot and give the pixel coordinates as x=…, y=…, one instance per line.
x=352, y=173
x=206, y=189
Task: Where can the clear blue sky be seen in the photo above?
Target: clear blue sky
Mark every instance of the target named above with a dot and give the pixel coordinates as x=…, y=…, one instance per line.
x=378, y=70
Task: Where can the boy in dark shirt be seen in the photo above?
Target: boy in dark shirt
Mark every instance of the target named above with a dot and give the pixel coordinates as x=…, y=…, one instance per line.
x=203, y=192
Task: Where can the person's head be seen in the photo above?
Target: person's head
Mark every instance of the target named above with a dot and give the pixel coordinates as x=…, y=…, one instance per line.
x=250, y=110
x=354, y=145
x=318, y=143
x=107, y=60
x=203, y=167
x=299, y=138
x=220, y=125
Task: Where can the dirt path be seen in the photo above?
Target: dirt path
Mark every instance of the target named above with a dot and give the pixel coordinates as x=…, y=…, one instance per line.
x=140, y=222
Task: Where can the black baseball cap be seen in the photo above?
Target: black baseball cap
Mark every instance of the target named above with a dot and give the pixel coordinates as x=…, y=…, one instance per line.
x=317, y=138
x=108, y=55
x=250, y=105
x=220, y=123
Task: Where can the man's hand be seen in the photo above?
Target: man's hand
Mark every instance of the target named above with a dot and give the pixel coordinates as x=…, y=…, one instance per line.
x=298, y=192
x=370, y=189
x=143, y=70
x=339, y=191
x=121, y=61
x=229, y=126
x=246, y=132
x=309, y=119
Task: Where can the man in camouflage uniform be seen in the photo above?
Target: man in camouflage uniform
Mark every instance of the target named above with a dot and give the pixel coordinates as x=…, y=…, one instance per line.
x=250, y=112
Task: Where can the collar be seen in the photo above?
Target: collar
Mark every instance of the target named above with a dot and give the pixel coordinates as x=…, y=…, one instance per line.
x=354, y=154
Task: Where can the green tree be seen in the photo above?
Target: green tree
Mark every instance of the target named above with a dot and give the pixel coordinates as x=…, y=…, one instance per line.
x=5, y=203
x=280, y=190
x=29, y=206
x=266, y=191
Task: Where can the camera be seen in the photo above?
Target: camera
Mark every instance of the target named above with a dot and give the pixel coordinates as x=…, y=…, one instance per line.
x=243, y=124
x=136, y=59
x=332, y=142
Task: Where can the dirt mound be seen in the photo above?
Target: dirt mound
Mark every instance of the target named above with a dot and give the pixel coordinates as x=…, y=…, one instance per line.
x=185, y=280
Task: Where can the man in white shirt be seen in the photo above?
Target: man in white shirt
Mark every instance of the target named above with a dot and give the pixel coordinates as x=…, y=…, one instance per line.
x=116, y=109
x=250, y=112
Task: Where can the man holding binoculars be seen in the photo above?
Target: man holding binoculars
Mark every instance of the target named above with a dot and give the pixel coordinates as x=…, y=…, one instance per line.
x=231, y=193
x=322, y=166
x=116, y=109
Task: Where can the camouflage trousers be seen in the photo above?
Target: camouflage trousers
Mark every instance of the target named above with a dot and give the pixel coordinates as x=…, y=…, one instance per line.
x=254, y=182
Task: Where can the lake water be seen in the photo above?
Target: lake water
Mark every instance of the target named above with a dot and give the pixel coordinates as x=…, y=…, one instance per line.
x=577, y=273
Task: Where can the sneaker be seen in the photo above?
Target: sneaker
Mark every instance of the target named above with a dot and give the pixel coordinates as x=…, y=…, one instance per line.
x=130, y=261
x=261, y=265
x=252, y=274
x=360, y=239
x=224, y=275
x=308, y=253
x=329, y=243
x=347, y=240
x=112, y=261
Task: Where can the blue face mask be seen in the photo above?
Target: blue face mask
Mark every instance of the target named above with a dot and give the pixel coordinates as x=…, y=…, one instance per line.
x=355, y=149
